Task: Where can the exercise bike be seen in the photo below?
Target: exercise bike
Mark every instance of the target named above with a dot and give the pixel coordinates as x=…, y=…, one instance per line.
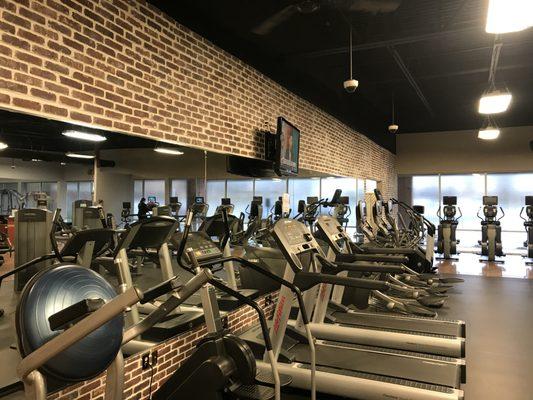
x=491, y=230
x=528, y=225
x=446, y=231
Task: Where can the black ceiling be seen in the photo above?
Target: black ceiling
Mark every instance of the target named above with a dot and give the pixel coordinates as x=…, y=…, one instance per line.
x=433, y=56
x=30, y=137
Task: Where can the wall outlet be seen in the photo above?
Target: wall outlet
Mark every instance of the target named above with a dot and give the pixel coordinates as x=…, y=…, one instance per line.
x=268, y=300
x=154, y=358
x=145, y=361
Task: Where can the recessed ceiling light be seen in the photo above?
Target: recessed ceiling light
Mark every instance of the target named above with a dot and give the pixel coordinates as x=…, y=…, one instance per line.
x=91, y=137
x=168, y=150
x=494, y=102
x=506, y=16
x=488, y=133
x=36, y=160
x=3, y=146
x=62, y=164
x=78, y=155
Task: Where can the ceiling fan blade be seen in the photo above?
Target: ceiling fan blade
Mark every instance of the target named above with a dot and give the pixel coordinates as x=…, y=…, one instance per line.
x=265, y=27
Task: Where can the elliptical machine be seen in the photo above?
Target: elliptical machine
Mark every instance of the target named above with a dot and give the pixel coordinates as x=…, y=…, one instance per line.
x=446, y=231
x=491, y=230
x=528, y=225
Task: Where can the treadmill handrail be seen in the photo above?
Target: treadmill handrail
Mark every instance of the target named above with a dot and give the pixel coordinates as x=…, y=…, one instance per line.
x=306, y=280
x=366, y=267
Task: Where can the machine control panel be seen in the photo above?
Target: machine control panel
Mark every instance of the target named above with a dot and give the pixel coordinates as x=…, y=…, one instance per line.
x=331, y=230
x=294, y=239
x=202, y=245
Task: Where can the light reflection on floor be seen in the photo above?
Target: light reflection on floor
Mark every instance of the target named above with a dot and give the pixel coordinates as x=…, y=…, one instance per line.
x=514, y=266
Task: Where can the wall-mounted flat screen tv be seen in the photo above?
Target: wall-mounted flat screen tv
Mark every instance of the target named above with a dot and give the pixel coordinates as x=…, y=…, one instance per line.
x=287, y=149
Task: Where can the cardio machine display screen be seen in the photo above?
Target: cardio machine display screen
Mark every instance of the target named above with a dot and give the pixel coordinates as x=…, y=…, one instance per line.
x=288, y=148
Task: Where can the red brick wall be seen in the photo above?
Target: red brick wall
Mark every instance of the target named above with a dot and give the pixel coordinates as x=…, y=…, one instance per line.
x=171, y=355
x=126, y=66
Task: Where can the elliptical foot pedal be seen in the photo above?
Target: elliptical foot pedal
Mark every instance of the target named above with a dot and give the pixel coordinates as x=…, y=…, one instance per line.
x=266, y=379
x=254, y=392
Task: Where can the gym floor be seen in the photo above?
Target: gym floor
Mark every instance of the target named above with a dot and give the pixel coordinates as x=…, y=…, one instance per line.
x=495, y=300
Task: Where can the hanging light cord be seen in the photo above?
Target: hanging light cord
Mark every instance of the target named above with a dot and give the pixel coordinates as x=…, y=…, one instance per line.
x=351, y=53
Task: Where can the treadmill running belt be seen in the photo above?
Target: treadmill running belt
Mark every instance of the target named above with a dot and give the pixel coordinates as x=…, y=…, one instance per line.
x=382, y=363
x=379, y=378
x=392, y=322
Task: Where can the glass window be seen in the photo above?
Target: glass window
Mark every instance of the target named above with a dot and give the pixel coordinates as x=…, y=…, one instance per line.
x=85, y=190
x=241, y=193
x=72, y=196
x=300, y=189
x=469, y=190
x=360, y=190
x=370, y=185
x=77, y=191
x=270, y=190
x=138, y=193
x=178, y=188
x=155, y=188
x=9, y=185
x=9, y=202
x=511, y=190
x=348, y=187
x=50, y=188
x=215, y=191
x=426, y=193
x=30, y=188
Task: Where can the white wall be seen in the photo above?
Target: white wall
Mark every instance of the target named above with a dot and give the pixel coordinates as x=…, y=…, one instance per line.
x=42, y=171
x=113, y=188
x=463, y=152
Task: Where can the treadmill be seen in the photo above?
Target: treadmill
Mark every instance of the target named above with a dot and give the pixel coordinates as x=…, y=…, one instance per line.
x=273, y=259
x=380, y=373
x=329, y=230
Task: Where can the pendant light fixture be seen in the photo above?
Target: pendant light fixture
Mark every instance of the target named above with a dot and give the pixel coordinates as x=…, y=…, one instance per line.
x=351, y=84
x=393, y=127
x=494, y=101
x=489, y=131
x=504, y=16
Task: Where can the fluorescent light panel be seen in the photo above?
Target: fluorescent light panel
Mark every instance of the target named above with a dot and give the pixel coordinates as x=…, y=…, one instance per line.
x=494, y=103
x=78, y=155
x=91, y=137
x=506, y=16
x=168, y=150
x=488, y=133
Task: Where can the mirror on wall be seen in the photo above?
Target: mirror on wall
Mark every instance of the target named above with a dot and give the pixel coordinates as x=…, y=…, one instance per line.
x=49, y=165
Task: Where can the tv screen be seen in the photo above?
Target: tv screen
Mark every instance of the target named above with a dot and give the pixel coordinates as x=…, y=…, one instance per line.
x=288, y=148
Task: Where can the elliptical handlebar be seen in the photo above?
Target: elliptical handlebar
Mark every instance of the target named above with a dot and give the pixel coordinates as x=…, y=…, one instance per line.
x=181, y=249
x=56, y=222
x=460, y=214
x=405, y=206
x=503, y=213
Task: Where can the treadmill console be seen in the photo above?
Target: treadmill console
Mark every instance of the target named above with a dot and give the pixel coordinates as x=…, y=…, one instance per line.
x=331, y=231
x=294, y=239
